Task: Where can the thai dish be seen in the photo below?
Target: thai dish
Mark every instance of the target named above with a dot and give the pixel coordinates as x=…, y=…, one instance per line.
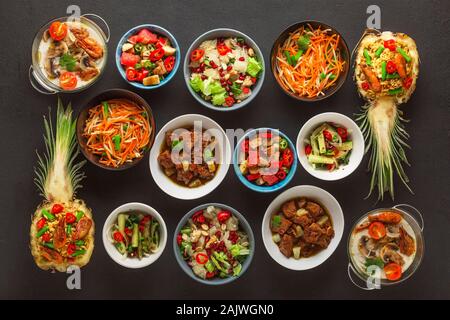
x=383, y=245
x=62, y=229
x=188, y=157
x=329, y=147
x=118, y=131
x=147, y=58
x=71, y=54
x=386, y=71
x=135, y=235
x=301, y=228
x=265, y=158
x=213, y=244
x=224, y=70
x=309, y=62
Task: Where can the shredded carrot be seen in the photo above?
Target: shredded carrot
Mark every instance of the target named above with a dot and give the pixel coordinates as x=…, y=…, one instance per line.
x=316, y=70
x=117, y=132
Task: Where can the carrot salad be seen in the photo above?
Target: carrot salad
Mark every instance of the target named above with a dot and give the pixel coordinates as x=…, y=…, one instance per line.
x=309, y=62
x=118, y=131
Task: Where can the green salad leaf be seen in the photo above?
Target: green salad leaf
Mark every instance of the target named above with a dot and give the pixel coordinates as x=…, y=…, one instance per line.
x=196, y=83
x=239, y=250
x=215, y=87
x=219, y=99
x=253, y=67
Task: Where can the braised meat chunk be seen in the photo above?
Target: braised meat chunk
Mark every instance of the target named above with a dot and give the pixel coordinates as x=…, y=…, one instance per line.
x=286, y=245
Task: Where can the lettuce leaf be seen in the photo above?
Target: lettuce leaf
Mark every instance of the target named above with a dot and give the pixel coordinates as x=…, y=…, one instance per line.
x=218, y=99
x=196, y=83
x=253, y=67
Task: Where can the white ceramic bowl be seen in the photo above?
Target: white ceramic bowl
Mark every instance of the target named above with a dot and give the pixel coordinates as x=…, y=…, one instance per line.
x=355, y=135
x=133, y=263
x=178, y=191
x=326, y=200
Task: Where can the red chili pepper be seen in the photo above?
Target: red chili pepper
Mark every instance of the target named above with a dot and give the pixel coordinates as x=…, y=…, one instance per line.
x=41, y=223
x=71, y=248
x=128, y=231
x=330, y=166
x=223, y=49
x=253, y=177
x=46, y=237
x=169, y=63
x=342, y=132
x=391, y=67
x=390, y=44
x=201, y=258
x=161, y=42
x=281, y=174
x=179, y=239
x=407, y=83
x=118, y=237
x=70, y=218
x=229, y=101
x=157, y=54
x=365, y=85
x=308, y=149
x=223, y=216
x=197, y=54
x=270, y=179
x=210, y=275
x=57, y=208
x=131, y=74
x=327, y=135
x=287, y=158
x=142, y=74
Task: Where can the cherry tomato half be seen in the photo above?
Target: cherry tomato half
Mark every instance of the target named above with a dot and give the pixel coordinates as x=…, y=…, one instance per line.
x=57, y=208
x=377, y=230
x=58, y=30
x=393, y=271
x=41, y=223
x=201, y=258
x=223, y=216
x=342, y=132
x=68, y=80
x=118, y=237
x=46, y=237
x=131, y=74
x=308, y=149
x=70, y=218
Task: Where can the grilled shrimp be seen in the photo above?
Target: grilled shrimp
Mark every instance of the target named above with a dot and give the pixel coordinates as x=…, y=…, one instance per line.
x=406, y=243
x=92, y=48
x=386, y=217
x=371, y=77
x=401, y=65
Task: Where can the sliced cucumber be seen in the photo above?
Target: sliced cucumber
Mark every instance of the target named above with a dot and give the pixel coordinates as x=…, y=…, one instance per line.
x=320, y=159
x=346, y=146
x=321, y=141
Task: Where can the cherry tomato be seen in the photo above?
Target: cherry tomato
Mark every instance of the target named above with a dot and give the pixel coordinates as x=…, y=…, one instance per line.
x=46, y=237
x=327, y=135
x=377, y=230
x=197, y=54
x=169, y=63
x=131, y=74
x=129, y=59
x=391, y=67
x=57, y=208
x=308, y=149
x=342, y=132
x=287, y=158
x=223, y=216
x=68, y=80
x=145, y=36
x=41, y=223
x=210, y=275
x=201, y=258
x=229, y=101
x=246, y=90
x=118, y=237
x=70, y=218
x=390, y=44
x=330, y=166
x=71, y=248
x=407, y=83
x=179, y=239
x=157, y=54
x=223, y=49
x=365, y=85
x=393, y=271
x=58, y=30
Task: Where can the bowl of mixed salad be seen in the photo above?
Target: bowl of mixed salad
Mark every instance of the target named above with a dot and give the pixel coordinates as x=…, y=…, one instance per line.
x=265, y=160
x=147, y=56
x=134, y=235
x=330, y=146
x=214, y=244
x=224, y=69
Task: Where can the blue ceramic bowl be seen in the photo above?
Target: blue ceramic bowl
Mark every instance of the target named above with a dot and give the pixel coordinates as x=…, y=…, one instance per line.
x=244, y=225
x=159, y=31
x=214, y=34
x=255, y=187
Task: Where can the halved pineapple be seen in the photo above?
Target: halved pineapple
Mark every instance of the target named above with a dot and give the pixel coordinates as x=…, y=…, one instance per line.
x=386, y=71
x=62, y=228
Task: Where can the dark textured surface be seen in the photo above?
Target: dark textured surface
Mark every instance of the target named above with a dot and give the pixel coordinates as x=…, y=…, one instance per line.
x=21, y=134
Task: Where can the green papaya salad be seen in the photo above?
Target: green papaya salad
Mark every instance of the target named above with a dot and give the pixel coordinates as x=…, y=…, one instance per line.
x=224, y=71
x=329, y=147
x=213, y=244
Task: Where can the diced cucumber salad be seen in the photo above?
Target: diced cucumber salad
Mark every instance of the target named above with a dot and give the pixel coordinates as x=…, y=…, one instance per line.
x=135, y=235
x=329, y=147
